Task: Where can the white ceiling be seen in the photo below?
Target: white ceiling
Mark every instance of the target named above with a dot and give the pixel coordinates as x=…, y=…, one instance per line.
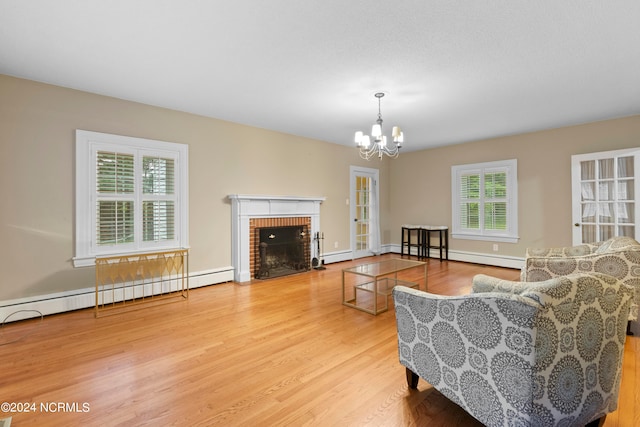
x=453, y=70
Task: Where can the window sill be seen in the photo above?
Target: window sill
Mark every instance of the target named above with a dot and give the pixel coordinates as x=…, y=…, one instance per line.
x=486, y=238
x=84, y=261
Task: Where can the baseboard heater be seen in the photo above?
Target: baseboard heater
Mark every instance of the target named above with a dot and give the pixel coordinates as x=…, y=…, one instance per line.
x=126, y=282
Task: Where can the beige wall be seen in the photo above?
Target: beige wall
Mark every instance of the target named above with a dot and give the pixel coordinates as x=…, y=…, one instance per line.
x=37, y=137
x=37, y=127
x=421, y=182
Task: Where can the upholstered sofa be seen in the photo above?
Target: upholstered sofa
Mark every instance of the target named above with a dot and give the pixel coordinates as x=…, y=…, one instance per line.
x=618, y=257
x=515, y=353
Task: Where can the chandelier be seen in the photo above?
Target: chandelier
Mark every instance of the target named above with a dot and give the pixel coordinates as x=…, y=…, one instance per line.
x=376, y=144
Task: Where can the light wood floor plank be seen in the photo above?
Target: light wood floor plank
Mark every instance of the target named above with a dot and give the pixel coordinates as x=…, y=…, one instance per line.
x=279, y=352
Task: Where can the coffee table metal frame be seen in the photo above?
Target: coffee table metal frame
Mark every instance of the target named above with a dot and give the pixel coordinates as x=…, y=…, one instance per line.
x=381, y=277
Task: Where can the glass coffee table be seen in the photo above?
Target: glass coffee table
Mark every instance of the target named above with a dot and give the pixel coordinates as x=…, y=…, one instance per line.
x=367, y=287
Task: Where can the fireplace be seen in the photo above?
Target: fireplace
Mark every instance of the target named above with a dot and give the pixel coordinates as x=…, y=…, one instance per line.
x=250, y=212
x=281, y=251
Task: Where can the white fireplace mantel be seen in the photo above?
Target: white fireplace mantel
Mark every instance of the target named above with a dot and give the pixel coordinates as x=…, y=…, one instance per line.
x=244, y=207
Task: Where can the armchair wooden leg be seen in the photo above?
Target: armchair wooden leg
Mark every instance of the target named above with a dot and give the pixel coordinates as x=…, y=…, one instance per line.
x=597, y=422
x=412, y=379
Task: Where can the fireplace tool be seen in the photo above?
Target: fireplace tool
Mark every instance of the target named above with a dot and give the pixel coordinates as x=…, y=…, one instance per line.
x=318, y=262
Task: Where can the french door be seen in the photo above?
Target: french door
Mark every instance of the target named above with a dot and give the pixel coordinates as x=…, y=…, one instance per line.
x=605, y=195
x=365, y=228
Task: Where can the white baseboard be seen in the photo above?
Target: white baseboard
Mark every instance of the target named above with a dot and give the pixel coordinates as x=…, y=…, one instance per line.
x=347, y=255
x=487, y=259
x=474, y=257
x=59, y=302
x=331, y=257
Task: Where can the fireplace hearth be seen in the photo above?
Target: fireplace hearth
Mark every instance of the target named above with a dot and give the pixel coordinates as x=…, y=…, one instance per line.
x=281, y=251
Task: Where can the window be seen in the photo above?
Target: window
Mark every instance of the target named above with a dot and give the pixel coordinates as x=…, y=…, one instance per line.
x=485, y=201
x=131, y=195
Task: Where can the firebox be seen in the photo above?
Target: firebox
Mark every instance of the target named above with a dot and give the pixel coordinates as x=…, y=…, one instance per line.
x=281, y=251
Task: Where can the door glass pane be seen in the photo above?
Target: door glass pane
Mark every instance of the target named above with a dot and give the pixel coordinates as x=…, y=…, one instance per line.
x=588, y=191
x=625, y=190
x=605, y=168
x=625, y=167
x=362, y=212
x=605, y=190
x=588, y=170
x=626, y=213
x=627, y=230
x=605, y=212
x=589, y=212
x=606, y=232
x=588, y=233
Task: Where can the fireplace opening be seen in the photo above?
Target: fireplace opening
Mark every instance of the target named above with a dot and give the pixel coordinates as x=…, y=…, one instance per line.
x=281, y=251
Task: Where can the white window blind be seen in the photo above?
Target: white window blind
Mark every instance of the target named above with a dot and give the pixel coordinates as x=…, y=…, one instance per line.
x=131, y=195
x=484, y=201
x=115, y=188
x=158, y=199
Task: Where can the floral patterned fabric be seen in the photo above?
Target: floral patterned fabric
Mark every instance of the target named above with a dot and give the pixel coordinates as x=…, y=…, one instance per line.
x=520, y=354
x=618, y=257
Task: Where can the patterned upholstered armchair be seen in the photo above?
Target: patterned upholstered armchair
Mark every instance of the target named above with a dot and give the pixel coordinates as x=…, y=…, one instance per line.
x=618, y=257
x=514, y=353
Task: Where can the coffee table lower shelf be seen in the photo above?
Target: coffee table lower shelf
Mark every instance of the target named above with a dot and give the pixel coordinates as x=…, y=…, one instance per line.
x=384, y=287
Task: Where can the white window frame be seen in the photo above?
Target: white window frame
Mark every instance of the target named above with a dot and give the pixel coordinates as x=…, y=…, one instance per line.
x=510, y=235
x=87, y=145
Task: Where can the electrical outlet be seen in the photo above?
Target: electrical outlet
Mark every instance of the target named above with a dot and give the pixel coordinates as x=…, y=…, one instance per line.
x=335, y=245
x=495, y=247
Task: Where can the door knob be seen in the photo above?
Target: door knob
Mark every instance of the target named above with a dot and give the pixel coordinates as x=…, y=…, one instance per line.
x=577, y=224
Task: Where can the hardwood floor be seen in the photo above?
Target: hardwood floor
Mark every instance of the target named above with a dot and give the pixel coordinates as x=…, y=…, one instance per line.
x=273, y=353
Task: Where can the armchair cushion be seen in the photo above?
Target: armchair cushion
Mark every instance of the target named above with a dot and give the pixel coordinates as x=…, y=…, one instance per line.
x=535, y=354
x=482, y=283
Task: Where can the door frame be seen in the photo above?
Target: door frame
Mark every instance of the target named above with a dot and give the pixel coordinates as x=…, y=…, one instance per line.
x=576, y=188
x=373, y=174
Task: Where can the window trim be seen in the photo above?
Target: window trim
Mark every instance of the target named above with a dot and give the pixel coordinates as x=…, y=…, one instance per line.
x=88, y=143
x=511, y=234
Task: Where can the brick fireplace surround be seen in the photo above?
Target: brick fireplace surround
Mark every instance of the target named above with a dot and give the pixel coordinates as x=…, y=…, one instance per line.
x=270, y=222
x=248, y=212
